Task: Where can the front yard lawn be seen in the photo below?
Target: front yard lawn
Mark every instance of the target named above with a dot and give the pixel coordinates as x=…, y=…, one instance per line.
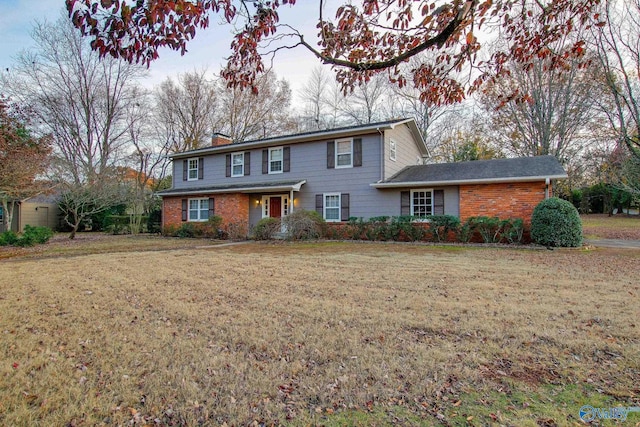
x=318, y=334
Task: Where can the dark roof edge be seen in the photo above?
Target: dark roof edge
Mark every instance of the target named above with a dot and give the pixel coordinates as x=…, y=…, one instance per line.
x=248, y=189
x=500, y=180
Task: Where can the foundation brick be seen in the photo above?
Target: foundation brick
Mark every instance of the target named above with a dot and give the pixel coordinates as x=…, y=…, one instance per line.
x=233, y=208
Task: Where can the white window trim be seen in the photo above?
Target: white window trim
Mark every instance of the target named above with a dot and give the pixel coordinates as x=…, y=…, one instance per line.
x=324, y=207
x=350, y=165
x=189, y=169
x=241, y=153
x=199, y=199
x=418, y=190
x=281, y=160
x=393, y=149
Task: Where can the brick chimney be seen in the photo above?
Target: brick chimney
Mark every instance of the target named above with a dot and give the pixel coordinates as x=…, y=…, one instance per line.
x=218, y=139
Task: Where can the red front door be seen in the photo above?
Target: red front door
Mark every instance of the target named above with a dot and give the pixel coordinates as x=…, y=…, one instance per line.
x=275, y=207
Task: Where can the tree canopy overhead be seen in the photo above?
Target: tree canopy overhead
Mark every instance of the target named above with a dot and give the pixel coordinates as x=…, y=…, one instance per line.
x=360, y=38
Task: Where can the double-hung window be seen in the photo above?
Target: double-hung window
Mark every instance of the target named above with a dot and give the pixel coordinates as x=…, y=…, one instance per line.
x=421, y=203
x=344, y=153
x=237, y=164
x=275, y=160
x=192, y=169
x=332, y=207
x=392, y=150
x=198, y=209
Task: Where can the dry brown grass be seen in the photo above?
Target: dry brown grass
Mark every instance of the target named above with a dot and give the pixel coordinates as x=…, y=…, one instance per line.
x=318, y=333
x=611, y=227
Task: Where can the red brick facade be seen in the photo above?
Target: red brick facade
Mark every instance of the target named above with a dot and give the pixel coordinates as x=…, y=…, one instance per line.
x=509, y=200
x=233, y=208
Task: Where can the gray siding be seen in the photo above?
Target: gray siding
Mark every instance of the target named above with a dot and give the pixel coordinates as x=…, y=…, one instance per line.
x=407, y=152
x=309, y=162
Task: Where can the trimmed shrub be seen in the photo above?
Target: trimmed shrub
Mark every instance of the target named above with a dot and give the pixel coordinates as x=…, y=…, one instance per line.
x=489, y=228
x=440, y=225
x=465, y=231
x=186, y=230
x=303, y=225
x=31, y=236
x=556, y=222
x=266, y=228
x=512, y=230
x=8, y=238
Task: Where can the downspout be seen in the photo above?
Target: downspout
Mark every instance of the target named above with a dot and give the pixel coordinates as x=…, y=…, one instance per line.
x=547, y=183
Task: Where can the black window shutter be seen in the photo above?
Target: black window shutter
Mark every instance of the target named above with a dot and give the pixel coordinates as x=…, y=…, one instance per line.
x=185, y=166
x=357, y=152
x=405, y=203
x=265, y=161
x=319, y=203
x=247, y=163
x=212, y=207
x=344, y=206
x=286, y=157
x=438, y=202
x=331, y=154
x=228, y=165
x=184, y=209
x=201, y=168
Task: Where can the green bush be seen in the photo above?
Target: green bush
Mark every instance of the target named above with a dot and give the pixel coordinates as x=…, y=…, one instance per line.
x=556, y=222
x=489, y=228
x=186, y=230
x=512, y=230
x=8, y=238
x=31, y=236
x=440, y=225
x=465, y=231
x=356, y=228
x=304, y=225
x=266, y=228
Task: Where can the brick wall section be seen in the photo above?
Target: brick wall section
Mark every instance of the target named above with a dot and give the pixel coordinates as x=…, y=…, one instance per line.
x=509, y=200
x=233, y=208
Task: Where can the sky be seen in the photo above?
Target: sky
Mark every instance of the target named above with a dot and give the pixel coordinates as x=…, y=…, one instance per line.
x=206, y=51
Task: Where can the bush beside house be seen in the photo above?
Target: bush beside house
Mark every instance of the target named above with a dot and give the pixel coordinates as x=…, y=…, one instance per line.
x=556, y=223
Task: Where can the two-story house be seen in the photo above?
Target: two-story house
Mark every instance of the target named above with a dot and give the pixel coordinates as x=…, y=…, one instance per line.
x=359, y=171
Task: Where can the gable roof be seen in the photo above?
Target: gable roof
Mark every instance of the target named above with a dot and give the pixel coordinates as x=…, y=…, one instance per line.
x=341, y=132
x=520, y=169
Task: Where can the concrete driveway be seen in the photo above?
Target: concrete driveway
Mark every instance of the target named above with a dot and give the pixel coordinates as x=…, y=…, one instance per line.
x=613, y=243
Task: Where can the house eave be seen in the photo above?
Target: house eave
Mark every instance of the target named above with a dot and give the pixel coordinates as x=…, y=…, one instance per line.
x=411, y=184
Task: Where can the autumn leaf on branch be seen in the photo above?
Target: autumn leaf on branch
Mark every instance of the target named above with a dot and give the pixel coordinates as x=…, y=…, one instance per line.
x=360, y=39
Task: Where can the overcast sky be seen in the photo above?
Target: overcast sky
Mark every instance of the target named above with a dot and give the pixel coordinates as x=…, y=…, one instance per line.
x=208, y=50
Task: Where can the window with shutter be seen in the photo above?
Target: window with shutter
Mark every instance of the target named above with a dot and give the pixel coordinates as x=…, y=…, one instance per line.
x=332, y=207
x=421, y=203
x=237, y=164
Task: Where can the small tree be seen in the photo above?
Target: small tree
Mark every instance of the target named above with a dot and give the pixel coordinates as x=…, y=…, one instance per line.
x=22, y=158
x=80, y=201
